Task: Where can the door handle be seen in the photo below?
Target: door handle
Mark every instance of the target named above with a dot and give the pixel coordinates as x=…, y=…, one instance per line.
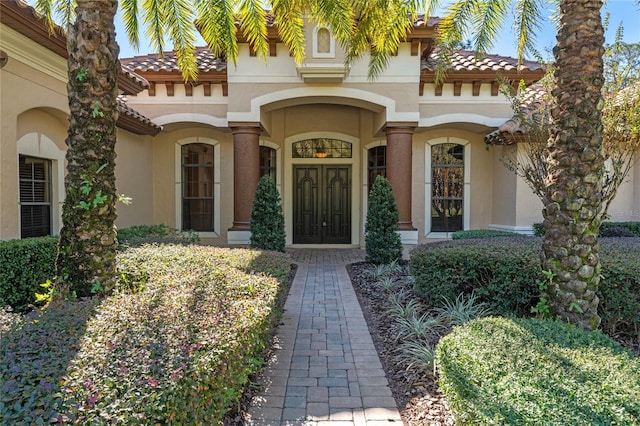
x=324, y=221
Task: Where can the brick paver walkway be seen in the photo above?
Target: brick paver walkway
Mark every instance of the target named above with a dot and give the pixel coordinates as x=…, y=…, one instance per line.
x=325, y=369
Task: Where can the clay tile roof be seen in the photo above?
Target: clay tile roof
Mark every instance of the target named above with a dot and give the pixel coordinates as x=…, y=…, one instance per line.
x=133, y=121
x=131, y=75
x=513, y=131
x=206, y=60
x=429, y=23
x=465, y=60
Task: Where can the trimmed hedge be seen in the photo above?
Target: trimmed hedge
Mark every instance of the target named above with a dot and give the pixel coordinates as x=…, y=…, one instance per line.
x=503, y=272
x=179, y=352
x=607, y=229
x=482, y=233
x=27, y=263
x=24, y=265
x=537, y=372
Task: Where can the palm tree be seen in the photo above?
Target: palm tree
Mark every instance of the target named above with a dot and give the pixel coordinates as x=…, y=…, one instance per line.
x=86, y=252
x=575, y=164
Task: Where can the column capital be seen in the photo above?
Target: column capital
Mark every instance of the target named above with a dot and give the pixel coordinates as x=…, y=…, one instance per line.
x=245, y=128
x=397, y=128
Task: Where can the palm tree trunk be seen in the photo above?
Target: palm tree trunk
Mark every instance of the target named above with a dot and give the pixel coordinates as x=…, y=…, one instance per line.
x=87, y=248
x=575, y=166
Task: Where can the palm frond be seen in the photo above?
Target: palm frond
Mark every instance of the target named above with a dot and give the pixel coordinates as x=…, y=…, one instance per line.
x=253, y=22
x=288, y=19
x=66, y=11
x=490, y=16
x=130, y=19
x=154, y=19
x=527, y=21
x=217, y=24
x=455, y=23
x=338, y=14
x=179, y=13
x=45, y=8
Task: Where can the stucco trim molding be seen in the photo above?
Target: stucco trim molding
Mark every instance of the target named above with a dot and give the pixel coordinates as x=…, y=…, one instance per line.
x=27, y=51
x=189, y=117
x=354, y=97
x=462, y=118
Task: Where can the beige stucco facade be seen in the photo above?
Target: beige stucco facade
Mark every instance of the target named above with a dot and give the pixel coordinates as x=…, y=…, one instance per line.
x=285, y=103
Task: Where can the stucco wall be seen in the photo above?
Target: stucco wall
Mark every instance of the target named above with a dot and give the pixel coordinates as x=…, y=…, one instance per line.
x=134, y=179
x=33, y=107
x=167, y=178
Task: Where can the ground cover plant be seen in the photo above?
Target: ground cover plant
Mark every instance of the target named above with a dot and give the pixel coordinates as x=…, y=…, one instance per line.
x=534, y=372
x=175, y=345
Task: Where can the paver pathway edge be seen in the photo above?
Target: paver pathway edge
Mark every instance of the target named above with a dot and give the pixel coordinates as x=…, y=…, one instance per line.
x=325, y=370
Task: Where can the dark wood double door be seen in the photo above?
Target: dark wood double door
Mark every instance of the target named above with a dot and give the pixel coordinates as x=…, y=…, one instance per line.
x=322, y=204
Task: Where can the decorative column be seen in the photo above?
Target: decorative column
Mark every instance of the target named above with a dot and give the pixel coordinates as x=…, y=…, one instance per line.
x=399, y=160
x=246, y=173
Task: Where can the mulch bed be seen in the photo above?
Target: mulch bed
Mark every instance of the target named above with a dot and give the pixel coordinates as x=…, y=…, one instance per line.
x=418, y=397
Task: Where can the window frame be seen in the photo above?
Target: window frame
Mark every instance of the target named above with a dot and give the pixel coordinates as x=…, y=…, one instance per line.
x=466, y=202
x=216, y=184
x=47, y=194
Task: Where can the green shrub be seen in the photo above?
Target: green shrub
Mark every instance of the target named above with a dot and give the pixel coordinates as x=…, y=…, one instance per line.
x=382, y=240
x=537, y=372
x=503, y=272
x=27, y=263
x=481, y=233
x=538, y=229
x=162, y=234
x=179, y=352
x=24, y=265
x=607, y=229
x=267, y=220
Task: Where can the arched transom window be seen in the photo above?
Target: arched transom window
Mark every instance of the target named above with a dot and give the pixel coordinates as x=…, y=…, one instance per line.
x=321, y=148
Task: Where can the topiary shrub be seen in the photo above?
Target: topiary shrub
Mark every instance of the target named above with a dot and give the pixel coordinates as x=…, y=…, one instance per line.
x=24, y=265
x=482, y=233
x=382, y=240
x=498, y=371
x=267, y=220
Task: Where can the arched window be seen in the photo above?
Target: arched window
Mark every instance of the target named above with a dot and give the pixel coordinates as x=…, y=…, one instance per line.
x=447, y=187
x=376, y=164
x=324, y=45
x=197, y=187
x=268, y=162
x=321, y=148
x=324, y=40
